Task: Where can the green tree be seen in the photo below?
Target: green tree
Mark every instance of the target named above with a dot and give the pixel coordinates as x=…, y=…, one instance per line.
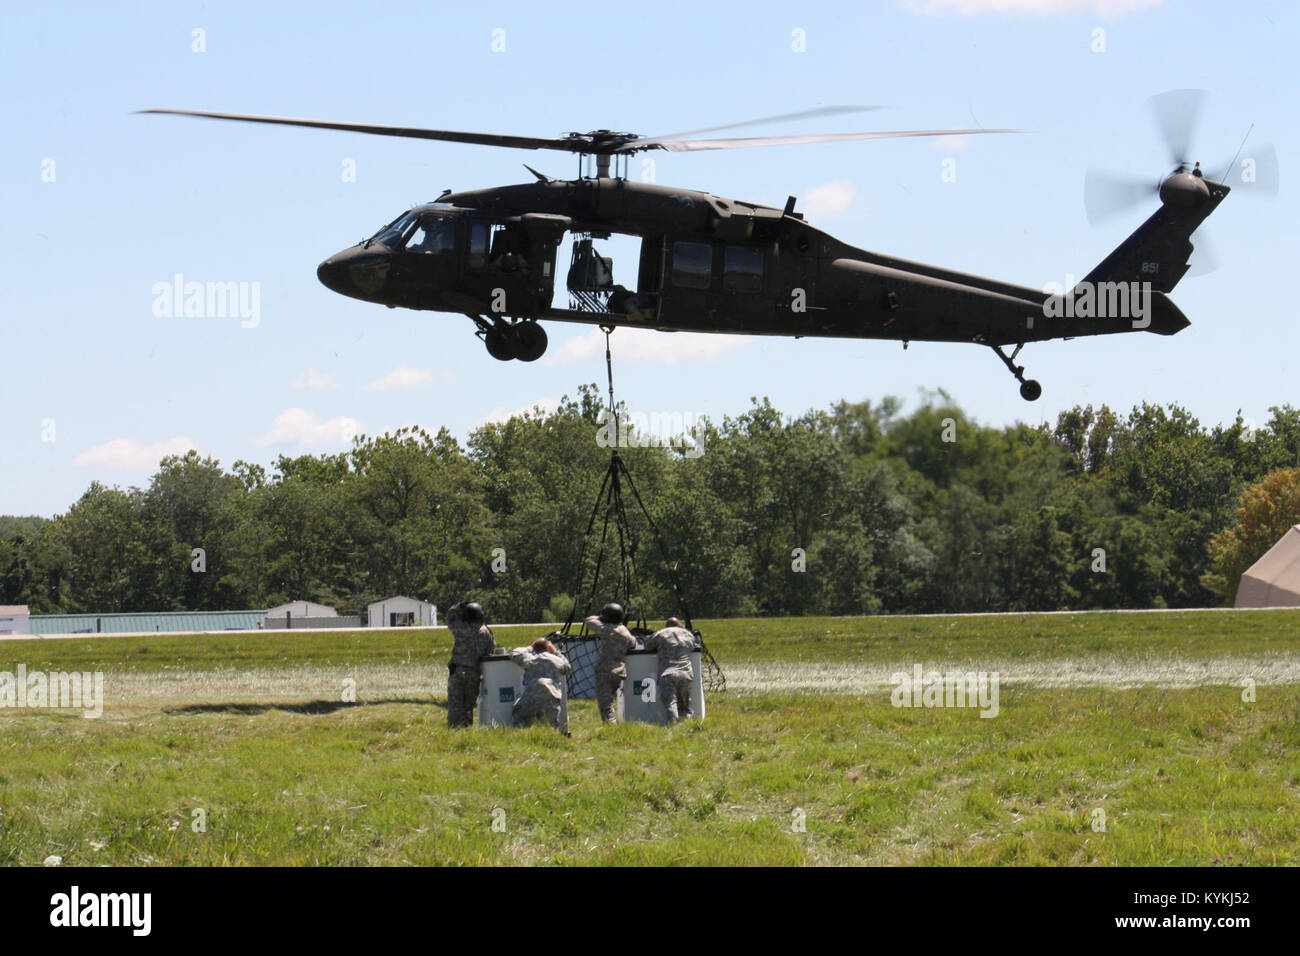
x=1268, y=509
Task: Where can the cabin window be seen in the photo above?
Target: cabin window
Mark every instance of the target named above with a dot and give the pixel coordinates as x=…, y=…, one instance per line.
x=742, y=270
x=692, y=265
x=478, y=245
x=434, y=237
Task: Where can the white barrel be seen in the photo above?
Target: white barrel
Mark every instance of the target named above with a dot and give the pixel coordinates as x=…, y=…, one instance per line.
x=503, y=684
x=641, y=701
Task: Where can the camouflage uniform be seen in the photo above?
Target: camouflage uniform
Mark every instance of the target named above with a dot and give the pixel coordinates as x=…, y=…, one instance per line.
x=473, y=643
x=615, y=641
x=676, y=674
x=540, y=700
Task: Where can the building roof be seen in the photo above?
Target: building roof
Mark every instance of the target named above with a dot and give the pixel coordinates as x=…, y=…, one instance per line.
x=13, y=610
x=399, y=597
x=161, y=621
x=1274, y=580
x=318, y=610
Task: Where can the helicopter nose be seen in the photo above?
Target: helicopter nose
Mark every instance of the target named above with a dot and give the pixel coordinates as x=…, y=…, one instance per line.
x=356, y=272
x=331, y=274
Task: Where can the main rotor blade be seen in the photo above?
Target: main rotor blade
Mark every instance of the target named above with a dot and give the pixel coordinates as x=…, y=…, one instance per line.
x=1105, y=196
x=1176, y=113
x=679, y=146
x=1253, y=172
x=451, y=136
x=804, y=114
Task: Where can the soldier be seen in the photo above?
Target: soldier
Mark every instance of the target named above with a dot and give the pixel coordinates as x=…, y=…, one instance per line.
x=615, y=641
x=544, y=668
x=676, y=675
x=473, y=642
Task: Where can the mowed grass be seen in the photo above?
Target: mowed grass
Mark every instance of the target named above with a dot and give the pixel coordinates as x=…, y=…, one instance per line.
x=252, y=731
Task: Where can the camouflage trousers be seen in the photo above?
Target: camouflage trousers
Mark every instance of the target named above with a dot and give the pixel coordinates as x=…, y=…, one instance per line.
x=675, y=695
x=607, y=685
x=462, y=695
x=537, y=709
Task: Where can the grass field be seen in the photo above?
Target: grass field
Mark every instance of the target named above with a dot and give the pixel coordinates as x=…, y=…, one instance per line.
x=1137, y=717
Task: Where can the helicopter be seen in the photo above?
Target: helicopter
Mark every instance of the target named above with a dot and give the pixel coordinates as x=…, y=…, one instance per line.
x=718, y=265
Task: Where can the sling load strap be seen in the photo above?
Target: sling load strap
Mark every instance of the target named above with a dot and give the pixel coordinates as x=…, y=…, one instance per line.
x=611, y=498
x=615, y=499
x=582, y=554
x=600, y=496
x=609, y=365
x=670, y=567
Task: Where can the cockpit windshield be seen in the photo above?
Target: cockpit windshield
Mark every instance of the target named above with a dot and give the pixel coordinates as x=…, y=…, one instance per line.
x=396, y=232
x=427, y=234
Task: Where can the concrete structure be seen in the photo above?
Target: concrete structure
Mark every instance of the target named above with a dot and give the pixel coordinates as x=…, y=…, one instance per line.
x=401, y=611
x=1274, y=580
x=14, y=619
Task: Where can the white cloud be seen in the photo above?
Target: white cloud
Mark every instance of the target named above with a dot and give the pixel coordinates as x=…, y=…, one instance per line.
x=647, y=347
x=403, y=377
x=501, y=414
x=827, y=200
x=1038, y=8
x=314, y=380
x=301, y=429
x=129, y=455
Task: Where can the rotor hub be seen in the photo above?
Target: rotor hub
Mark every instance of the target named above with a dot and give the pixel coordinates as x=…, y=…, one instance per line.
x=1184, y=190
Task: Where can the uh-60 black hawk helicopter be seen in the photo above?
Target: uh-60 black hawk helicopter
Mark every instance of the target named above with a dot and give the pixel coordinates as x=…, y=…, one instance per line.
x=709, y=264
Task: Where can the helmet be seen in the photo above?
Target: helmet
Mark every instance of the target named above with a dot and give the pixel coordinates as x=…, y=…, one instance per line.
x=612, y=613
x=472, y=613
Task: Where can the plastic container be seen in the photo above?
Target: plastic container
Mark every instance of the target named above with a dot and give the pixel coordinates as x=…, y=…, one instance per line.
x=641, y=689
x=503, y=684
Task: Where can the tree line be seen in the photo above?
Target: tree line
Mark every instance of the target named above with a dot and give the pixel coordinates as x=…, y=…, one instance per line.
x=854, y=509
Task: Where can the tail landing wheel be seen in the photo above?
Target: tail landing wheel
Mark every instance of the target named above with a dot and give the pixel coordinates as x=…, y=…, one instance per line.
x=1030, y=390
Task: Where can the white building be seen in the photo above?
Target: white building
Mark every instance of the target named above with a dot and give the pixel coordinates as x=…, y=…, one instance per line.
x=302, y=614
x=14, y=619
x=402, y=611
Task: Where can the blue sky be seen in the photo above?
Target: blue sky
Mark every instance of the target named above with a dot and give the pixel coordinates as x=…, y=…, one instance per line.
x=95, y=385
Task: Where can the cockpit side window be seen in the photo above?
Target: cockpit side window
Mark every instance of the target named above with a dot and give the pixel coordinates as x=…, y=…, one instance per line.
x=478, y=245
x=395, y=233
x=434, y=236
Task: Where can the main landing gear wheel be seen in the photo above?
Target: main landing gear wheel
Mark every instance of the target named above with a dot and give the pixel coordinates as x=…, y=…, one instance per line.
x=1030, y=390
x=524, y=340
x=500, y=342
x=529, y=340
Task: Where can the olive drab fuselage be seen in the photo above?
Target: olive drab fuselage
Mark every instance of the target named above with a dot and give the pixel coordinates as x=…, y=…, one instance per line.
x=709, y=264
